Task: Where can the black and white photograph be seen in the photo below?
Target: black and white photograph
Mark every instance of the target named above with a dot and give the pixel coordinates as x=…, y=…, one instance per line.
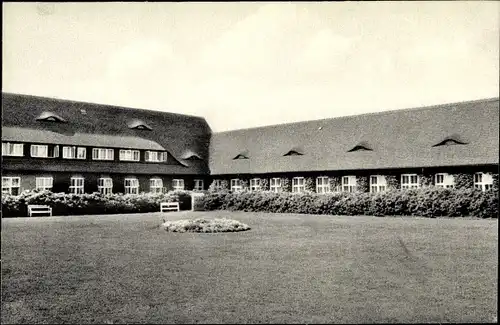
x=330, y=162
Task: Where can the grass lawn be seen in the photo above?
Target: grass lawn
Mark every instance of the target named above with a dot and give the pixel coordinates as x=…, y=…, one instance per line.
x=287, y=269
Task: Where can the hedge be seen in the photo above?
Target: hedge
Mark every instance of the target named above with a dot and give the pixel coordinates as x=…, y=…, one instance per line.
x=425, y=202
x=96, y=203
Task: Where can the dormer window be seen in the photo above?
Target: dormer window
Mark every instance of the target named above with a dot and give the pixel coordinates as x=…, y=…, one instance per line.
x=139, y=125
x=362, y=146
x=295, y=152
x=242, y=155
x=193, y=157
x=190, y=155
x=50, y=117
x=450, y=141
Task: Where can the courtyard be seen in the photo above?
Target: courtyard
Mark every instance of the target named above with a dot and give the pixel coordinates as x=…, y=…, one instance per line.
x=288, y=268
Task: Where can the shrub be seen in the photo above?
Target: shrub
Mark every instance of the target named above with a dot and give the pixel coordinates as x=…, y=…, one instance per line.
x=425, y=202
x=205, y=225
x=464, y=181
x=95, y=203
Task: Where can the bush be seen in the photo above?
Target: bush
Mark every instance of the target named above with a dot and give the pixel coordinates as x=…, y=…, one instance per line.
x=95, y=203
x=205, y=225
x=425, y=202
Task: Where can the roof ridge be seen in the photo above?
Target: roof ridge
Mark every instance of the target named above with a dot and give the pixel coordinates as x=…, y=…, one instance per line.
x=392, y=111
x=100, y=104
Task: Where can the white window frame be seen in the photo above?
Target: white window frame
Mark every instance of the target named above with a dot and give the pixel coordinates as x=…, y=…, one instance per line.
x=298, y=185
x=130, y=155
x=73, y=152
x=349, y=183
x=133, y=185
x=323, y=184
x=69, y=152
x=36, y=148
x=44, y=183
x=236, y=185
x=378, y=183
x=105, y=185
x=198, y=185
x=444, y=180
x=410, y=183
x=178, y=184
x=103, y=154
x=483, y=181
x=77, y=185
x=275, y=184
x=255, y=184
x=156, y=185
x=155, y=156
x=12, y=149
x=8, y=184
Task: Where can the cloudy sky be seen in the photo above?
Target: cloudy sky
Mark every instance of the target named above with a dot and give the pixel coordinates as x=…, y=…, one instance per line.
x=241, y=65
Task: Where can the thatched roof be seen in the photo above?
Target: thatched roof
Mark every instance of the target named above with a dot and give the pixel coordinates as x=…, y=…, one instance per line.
x=398, y=139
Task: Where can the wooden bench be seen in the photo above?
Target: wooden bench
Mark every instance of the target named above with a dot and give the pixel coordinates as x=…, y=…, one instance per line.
x=37, y=209
x=169, y=206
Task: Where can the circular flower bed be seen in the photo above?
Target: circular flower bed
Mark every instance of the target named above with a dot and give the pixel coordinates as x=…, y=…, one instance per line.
x=205, y=225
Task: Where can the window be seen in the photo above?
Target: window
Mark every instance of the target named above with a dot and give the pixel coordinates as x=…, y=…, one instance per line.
x=129, y=155
x=102, y=154
x=178, y=184
x=81, y=153
x=12, y=149
x=217, y=184
x=236, y=185
x=360, y=148
x=298, y=185
x=378, y=183
x=450, y=141
x=349, y=183
x=105, y=185
x=409, y=181
x=483, y=181
x=155, y=156
x=39, y=151
x=69, y=152
x=74, y=152
x=198, y=185
x=44, y=183
x=49, y=116
x=139, y=125
x=76, y=185
x=131, y=186
x=293, y=153
x=255, y=184
x=275, y=185
x=156, y=185
x=444, y=180
x=11, y=185
x=322, y=184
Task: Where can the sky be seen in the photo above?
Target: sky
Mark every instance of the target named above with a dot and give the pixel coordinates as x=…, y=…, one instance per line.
x=243, y=65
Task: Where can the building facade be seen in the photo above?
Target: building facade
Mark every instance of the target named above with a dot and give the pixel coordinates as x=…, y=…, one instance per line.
x=77, y=147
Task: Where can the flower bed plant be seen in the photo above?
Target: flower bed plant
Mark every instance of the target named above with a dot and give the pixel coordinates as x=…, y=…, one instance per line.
x=205, y=225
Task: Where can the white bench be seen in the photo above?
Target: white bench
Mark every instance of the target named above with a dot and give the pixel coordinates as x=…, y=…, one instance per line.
x=34, y=209
x=169, y=206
